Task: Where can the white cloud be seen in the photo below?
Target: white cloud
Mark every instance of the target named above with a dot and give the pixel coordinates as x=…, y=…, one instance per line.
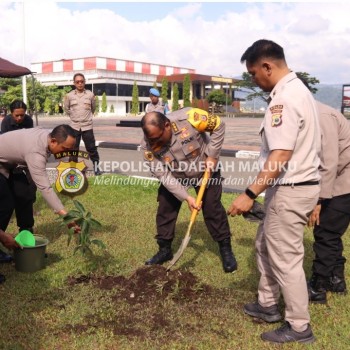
x=314, y=35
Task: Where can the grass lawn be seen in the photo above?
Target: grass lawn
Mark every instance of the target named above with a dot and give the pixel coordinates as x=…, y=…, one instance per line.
x=112, y=301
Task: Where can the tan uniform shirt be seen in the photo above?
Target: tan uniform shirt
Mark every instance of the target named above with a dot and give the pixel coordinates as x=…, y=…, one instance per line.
x=80, y=108
x=150, y=107
x=291, y=123
x=335, y=155
x=29, y=147
x=190, y=145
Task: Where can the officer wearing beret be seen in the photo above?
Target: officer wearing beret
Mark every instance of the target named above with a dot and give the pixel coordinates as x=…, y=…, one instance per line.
x=155, y=104
x=178, y=149
x=289, y=159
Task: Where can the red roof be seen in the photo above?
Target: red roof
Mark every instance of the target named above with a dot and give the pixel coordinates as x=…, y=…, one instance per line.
x=11, y=70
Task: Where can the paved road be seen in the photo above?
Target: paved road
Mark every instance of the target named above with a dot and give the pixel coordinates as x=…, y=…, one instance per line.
x=121, y=155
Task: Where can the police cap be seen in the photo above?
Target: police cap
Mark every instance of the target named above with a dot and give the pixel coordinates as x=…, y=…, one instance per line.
x=154, y=92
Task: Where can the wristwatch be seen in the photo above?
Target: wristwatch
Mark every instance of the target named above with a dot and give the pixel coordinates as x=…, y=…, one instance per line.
x=250, y=194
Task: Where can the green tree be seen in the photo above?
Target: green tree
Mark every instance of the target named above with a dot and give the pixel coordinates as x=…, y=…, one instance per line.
x=104, y=103
x=217, y=96
x=248, y=85
x=309, y=81
x=135, y=99
x=175, y=105
x=187, y=91
x=164, y=94
x=97, y=108
x=48, y=106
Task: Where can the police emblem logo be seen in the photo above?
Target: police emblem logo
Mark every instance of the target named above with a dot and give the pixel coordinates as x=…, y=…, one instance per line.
x=149, y=156
x=71, y=179
x=276, y=119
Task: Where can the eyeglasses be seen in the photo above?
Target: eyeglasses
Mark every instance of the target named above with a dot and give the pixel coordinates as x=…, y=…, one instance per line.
x=156, y=139
x=79, y=82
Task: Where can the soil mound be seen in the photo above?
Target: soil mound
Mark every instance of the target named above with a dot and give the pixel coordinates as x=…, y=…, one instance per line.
x=149, y=283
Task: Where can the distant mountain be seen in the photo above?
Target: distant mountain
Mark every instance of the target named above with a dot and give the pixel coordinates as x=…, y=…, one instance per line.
x=328, y=94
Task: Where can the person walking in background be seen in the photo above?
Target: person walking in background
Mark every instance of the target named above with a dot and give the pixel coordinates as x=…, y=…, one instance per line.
x=155, y=105
x=22, y=186
x=79, y=105
x=331, y=217
x=178, y=149
x=289, y=159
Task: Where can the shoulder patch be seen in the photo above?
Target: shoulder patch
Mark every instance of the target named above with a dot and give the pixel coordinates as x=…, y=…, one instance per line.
x=276, y=116
x=202, y=121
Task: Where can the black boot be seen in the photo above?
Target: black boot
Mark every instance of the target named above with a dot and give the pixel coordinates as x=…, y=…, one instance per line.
x=229, y=262
x=164, y=254
x=317, y=289
x=337, y=282
x=97, y=170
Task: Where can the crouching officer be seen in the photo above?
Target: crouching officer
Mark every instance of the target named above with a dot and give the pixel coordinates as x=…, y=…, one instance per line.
x=178, y=150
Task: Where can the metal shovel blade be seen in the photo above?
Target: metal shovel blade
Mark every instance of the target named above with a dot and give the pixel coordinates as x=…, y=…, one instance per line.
x=183, y=245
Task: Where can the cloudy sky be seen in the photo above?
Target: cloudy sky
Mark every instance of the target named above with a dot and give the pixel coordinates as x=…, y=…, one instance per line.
x=207, y=36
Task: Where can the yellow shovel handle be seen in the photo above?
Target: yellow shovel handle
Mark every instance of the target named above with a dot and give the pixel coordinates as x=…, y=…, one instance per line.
x=200, y=193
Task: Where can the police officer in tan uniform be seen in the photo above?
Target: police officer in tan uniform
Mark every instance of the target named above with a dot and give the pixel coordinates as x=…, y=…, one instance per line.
x=289, y=173
x=331, y=216
x=178, y=150
x=33, y=152
x=155, y=105
x=80, y=105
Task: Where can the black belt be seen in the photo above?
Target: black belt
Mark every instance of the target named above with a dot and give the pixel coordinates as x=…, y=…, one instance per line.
x=305, y=183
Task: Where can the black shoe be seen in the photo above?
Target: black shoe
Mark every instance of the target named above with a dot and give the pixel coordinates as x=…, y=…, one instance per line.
x=317, y=289
x=164, y=254
x=337, y=285
x=268, y=314
x=229, y=262
x=286, y=334
x=317, y=297
x=97, y=172
x=2, y=278
x=5, y=258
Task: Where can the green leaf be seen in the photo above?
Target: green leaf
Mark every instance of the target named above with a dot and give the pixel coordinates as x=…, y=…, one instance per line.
x=99, y=243
x=79, y=206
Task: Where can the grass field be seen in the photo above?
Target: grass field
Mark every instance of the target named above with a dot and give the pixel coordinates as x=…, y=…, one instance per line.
x=111, y=301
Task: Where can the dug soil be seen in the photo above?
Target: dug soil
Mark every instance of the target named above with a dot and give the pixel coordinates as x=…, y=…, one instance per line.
x=154, y=303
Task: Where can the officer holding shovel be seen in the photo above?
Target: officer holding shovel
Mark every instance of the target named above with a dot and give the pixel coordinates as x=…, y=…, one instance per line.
x=178, y=149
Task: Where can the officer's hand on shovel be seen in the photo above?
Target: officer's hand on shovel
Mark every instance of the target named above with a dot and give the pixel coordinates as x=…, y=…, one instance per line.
x=191, y=202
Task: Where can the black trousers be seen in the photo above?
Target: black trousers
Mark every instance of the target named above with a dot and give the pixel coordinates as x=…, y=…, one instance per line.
x=328, y=244
x=18, y=193
x=90, y=143
x=214, y=213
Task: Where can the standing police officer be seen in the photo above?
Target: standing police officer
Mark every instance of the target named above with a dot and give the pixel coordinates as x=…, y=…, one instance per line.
x=79, y=105
x=178, y=149
x=331, y=216
x=155, y=105
x=289, y=161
